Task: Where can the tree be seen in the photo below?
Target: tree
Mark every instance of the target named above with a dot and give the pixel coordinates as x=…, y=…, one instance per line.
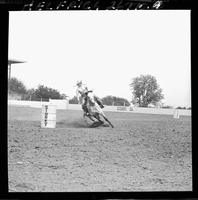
x=117, y=101
x=46, y=93
x=16, y=86
x=64, y=96
x=30, y=95
x=179, y=107
x=167, y=106
x=74, y=100
x=145, y=90
x=43, y=92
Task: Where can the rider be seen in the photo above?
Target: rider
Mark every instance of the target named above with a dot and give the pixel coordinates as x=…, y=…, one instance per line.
x=81, y=93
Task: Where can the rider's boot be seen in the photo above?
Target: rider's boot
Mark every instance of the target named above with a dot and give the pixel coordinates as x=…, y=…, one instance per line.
x=99, y=103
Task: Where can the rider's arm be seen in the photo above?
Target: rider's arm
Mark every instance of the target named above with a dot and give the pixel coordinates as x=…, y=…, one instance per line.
x=78, y=96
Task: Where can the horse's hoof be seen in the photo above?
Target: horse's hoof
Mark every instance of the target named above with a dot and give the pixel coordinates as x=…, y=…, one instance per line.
x=95, y=124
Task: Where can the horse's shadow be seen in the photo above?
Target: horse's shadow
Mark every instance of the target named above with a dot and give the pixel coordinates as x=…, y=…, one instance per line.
x=98, y=124
x=75, y=124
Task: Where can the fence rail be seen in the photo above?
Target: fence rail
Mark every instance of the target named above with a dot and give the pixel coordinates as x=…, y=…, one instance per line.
x=61, y=105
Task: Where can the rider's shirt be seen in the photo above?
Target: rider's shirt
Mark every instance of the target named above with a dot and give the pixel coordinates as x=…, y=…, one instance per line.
x=80, y=92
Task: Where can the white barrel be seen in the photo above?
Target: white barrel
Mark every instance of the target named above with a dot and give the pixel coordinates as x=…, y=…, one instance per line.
x=48, y=116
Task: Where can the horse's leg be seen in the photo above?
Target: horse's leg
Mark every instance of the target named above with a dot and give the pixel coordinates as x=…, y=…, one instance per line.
x=97, y=116
x=107, y=120
x=88, y=116
x=100, y=112
x=92, y=119
x=95, y=123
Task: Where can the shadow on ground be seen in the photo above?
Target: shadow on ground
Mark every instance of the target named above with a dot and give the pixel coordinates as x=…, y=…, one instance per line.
x=79, y=124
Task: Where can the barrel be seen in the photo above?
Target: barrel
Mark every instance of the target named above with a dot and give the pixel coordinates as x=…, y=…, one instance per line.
x=48, y=116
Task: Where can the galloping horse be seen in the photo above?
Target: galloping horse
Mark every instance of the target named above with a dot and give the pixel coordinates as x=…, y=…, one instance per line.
x=95, y=112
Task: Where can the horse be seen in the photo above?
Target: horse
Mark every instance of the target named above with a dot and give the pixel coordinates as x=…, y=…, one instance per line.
x=94, y=112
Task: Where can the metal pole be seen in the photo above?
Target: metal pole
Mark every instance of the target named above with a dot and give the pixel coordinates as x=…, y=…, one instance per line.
x=9, y=77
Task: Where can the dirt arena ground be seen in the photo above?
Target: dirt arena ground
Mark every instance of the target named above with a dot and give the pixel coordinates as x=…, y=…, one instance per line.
x=142, y=153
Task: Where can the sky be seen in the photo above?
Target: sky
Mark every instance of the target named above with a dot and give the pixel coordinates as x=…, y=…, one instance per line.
x=104, y=49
